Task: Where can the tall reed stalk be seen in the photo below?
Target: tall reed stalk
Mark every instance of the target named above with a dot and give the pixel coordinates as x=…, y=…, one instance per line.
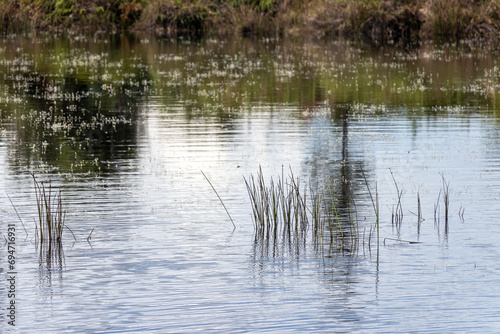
x=220, y=199
x=280, y=208
x=375, y=208
x=397, y=213
x=446, y=198
x=437, y=209
x=335, y=220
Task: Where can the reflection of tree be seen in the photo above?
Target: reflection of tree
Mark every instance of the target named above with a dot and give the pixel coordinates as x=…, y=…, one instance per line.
x=337, y=192
x=338, y=174
x=335, y=174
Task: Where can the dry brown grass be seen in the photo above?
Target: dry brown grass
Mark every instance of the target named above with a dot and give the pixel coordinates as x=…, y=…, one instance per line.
x=460, y=18
x=378, y=21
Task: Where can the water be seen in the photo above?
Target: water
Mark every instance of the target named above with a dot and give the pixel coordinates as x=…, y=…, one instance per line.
x=124, y=126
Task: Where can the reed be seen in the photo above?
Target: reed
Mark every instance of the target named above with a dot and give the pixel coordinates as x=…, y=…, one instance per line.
x=446, y=201
x=340, y=222
x=317, y=217
x=220, y=199
x=397, y=213
x=90, y=235
x=444, y=192
x=282, y=213
x=375, y=208
x=419, y=213
x=50, y=213
x=283, y=207
x=335, y=224
x=419, y=209
x=17, y=213
x=51, y=216
x=437, y=209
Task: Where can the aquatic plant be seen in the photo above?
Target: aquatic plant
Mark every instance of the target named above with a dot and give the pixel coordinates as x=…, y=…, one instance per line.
x=375, y=204
x=397, y=213
x=220, y=199
x=282, y=213
x=344, y=233
x=90, y=235
x=445, y=193
x=419, y=208
x=446, y=200
x=51, y=216
x=461, y=212
x=18, y=216
x=281, y=207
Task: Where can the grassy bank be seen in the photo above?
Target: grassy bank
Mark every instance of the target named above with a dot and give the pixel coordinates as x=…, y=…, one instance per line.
x=383, y=21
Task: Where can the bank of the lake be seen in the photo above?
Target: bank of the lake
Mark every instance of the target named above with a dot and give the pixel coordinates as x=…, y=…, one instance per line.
x=379, y=21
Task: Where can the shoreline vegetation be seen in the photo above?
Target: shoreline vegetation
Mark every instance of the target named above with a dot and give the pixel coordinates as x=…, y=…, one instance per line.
x=375, y=21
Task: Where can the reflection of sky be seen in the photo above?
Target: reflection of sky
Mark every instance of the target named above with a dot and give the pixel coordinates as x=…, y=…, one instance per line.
x=205, y=144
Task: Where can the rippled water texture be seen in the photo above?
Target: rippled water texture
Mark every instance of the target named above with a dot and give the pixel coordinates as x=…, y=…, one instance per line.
x=125, y=125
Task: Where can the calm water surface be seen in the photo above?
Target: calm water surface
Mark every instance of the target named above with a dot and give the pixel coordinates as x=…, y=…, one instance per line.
x=125, y=125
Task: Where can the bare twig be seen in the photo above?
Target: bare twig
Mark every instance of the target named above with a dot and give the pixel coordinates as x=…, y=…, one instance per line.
x=400, y=240
x=18, y=215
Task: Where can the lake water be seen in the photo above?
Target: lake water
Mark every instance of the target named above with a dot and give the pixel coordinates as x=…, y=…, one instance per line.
x=125, y=125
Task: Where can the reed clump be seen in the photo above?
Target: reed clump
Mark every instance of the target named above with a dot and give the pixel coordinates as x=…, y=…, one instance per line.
x=279, y=206
x=284, y=211
x=283, y=208
x=51, y=216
